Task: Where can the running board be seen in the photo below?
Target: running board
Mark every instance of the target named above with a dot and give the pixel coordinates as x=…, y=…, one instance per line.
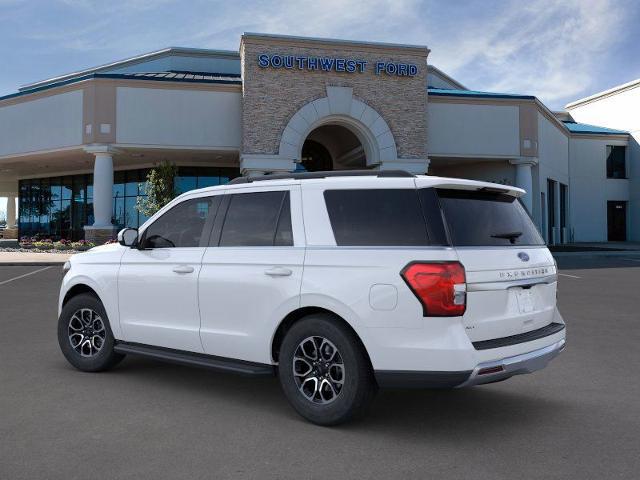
x=212, y=362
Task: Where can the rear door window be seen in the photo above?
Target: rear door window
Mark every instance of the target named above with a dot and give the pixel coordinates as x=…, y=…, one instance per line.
x=257, y=219
x=487, y=219
x=379, y=217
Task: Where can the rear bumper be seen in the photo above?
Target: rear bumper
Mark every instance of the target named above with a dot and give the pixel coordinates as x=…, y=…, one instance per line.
x=485, y=372
x=504, y=368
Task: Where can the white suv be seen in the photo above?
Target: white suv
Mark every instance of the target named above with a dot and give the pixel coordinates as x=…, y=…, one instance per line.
x=337, y=282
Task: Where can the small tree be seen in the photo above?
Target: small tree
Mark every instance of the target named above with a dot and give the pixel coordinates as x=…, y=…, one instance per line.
x=160, y=188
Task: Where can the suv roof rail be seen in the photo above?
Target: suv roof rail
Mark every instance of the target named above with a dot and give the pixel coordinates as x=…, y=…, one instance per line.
x=334, y=173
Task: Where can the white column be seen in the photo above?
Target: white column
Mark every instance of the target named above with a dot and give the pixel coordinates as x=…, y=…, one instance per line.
x=252, y=172
x=254, y=164
x=11, y=212
x=524, y=179
x=102, y=185
x=102, y=190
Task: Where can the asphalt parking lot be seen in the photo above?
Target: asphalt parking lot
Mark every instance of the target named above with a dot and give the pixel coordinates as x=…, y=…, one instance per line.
x=579, y=419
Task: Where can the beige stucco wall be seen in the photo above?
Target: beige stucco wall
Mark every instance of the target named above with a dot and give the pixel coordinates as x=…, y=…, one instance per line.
x=272, y=96
x=178, y=117
x=620, y=110
x=45, y=123
x=486, y=171
x=590, y=189
x=473, y=129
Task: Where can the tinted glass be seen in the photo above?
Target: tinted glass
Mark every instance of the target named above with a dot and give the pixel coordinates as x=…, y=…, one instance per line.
x=378, y=217
x=183, y=225
x=616, y=162
x=487, y=219
x=284, y=232
x=252, y=219
x=41, y=200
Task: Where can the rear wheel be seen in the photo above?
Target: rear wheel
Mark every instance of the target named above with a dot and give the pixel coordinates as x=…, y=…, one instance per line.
x=84, y=334
x=324, y=371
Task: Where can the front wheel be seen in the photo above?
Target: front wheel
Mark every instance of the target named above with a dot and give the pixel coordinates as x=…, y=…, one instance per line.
x=85, y=336
x=325, y=372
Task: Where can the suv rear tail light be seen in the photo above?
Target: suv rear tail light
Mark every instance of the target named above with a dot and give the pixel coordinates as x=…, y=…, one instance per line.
x=440, y=286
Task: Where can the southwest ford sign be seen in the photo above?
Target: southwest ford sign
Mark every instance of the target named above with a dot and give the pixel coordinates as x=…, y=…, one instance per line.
x=334, y=64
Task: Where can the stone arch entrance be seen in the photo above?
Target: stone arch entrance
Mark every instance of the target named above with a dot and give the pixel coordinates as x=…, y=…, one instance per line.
x=349, y=131
x=332, y=147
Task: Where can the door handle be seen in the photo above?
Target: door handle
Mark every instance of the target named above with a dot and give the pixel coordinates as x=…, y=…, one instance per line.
x=278, y=272
x=183, y=269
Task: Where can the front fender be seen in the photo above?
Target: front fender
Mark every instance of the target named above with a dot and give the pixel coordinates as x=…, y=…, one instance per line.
x=103, y=281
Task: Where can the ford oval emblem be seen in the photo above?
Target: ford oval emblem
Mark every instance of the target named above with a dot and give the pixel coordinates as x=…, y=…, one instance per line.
x=523, y=256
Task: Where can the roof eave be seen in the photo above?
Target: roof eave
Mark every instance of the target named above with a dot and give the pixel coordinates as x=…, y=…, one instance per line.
x=115, y=76
x=446, y=77
x=130, y=61
x=603, y=94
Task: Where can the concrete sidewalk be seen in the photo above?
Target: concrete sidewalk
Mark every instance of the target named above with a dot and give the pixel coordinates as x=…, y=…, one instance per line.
x=32, y=258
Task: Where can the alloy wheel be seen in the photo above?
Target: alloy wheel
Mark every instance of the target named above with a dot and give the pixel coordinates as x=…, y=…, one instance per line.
x=86, y=332
x=318, y=370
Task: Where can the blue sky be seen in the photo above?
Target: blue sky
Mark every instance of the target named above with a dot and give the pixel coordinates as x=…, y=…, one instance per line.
x=557, y=50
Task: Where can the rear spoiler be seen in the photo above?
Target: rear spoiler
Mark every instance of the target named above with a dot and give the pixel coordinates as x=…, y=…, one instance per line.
x=463, y=184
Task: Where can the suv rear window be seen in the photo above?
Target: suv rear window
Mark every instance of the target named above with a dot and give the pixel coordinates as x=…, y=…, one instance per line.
x=487, y=219
x=381, y=217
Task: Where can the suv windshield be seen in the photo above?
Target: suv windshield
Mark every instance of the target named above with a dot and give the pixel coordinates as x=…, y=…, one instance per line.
x=487, y=219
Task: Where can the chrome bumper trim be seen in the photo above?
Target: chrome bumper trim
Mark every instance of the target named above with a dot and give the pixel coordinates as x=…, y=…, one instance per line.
x=517, y=365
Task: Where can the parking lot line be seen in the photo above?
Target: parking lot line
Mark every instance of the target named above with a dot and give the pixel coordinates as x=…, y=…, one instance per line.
x=567, y=275
x=25, y=275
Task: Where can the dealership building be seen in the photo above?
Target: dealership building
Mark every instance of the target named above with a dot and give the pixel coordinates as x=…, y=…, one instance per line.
x=75, y=149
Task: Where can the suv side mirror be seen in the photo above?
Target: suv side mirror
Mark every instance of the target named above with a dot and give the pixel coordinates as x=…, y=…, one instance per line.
x=128, y=237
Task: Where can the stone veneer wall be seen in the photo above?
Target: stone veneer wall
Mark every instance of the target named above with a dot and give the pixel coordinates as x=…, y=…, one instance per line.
x=272, y=96
x=100, y=235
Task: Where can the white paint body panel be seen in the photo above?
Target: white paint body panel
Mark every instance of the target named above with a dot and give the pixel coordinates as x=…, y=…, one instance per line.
x=229, y=307
x=157, y=305
x=241, y=305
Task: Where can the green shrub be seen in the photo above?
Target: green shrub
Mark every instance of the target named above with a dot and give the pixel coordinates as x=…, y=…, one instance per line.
x=160, y=188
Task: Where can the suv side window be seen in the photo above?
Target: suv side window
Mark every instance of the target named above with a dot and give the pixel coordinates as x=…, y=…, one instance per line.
x=257, y=219
x=377, y=217
x=183, y=225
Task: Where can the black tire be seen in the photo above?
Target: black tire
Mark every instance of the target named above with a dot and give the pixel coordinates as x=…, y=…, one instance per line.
x=358, y=388
x=105, y=358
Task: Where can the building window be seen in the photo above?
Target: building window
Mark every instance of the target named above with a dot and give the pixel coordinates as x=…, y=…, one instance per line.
x=616, y=164
x=564, y=208
x=551, y=210
x=59, y=207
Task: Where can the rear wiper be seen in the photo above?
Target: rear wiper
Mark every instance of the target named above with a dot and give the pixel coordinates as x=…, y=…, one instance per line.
x=511, y=236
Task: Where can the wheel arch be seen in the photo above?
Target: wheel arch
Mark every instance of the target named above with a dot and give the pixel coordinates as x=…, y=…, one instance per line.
x=84, y=284
x=76, y=290
x=296, y=315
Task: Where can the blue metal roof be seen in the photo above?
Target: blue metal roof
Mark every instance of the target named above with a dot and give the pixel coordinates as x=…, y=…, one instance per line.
x=575, y=127
x=188, y=77
x=444, y=92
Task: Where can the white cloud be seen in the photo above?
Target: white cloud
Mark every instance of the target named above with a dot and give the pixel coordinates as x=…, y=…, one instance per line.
x=541, y=47
x=547, y=48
